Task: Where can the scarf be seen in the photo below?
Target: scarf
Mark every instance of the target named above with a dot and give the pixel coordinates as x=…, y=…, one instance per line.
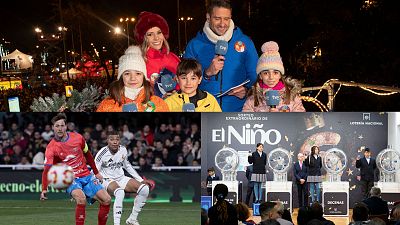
x=213, y=37
x=279, y=86
x=132, y=93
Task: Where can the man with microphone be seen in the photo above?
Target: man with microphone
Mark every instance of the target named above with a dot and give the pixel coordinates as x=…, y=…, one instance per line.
x=227, y=56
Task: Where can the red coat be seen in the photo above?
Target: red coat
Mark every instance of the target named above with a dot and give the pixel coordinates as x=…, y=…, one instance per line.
x=158, y=60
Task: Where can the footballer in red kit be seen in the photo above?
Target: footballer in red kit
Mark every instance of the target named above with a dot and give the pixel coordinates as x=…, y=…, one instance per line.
x=70, y=148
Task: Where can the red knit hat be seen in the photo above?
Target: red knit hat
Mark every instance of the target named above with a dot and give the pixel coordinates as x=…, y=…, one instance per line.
x=148, y=20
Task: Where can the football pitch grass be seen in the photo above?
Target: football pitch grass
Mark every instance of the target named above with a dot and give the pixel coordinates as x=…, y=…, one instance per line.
x=61, y=212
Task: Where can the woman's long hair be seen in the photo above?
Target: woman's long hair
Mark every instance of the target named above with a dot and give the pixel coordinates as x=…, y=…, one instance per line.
x=292, y=89
x=117, y=91
x=313, y=148
x=221, y=191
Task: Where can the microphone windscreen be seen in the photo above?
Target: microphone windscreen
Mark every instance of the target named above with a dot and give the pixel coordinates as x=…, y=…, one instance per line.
x=221, y=47
x=130, y=107
x=188, y=107
x=168, y=83
x=272, y=98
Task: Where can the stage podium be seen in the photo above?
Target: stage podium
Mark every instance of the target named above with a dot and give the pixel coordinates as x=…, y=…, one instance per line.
x=388, y=163
x=279, y=191
x=335, y=198
x=390, y=192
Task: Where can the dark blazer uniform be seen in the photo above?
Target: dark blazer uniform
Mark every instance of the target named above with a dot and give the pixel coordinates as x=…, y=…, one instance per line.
x=209, y=181
x=367, y=173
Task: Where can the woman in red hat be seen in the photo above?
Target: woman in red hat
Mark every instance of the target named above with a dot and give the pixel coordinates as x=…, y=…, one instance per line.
x=152, y=32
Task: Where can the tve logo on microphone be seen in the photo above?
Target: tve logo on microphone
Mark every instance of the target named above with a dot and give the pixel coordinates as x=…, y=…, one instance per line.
x=221, y=47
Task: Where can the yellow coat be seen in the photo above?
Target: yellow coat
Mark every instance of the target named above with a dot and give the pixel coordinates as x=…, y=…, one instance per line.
x=205, y=102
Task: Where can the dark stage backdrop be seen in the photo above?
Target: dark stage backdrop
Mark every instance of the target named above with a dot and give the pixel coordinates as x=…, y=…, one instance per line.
x=350, y=132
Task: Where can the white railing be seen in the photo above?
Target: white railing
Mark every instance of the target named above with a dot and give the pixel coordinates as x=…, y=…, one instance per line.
x=163, y=168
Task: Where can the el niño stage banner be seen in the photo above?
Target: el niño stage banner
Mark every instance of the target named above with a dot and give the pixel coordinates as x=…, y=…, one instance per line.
x=296, y=132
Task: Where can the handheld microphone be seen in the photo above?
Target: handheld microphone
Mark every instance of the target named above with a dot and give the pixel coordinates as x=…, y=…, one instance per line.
x=168, y=83
x=188, y=107
x=130, y=107
x=221, y=48
x=272, y=98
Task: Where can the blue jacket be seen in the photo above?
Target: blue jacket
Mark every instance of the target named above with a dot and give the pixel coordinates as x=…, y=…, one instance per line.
x=238, y=67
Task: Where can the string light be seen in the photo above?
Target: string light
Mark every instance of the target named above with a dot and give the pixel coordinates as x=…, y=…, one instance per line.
x=331, y=82
x=316, y=102
x=378, y=93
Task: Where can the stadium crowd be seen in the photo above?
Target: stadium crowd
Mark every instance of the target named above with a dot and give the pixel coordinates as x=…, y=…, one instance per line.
x=153, y=141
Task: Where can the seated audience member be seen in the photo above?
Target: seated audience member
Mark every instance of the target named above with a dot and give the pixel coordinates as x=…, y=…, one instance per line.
x=303, y=215
x=268, y=211
x=244, y=214
x=269, y=222
x=376, y=205
x=204, y=218
x=222, y=212
x=377, y=221
x=395, y=215
x=281, y=210
x=360, y=214
x=317, y=213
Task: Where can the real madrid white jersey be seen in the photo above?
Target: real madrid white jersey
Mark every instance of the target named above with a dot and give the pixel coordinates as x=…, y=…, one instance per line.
x=111, y=165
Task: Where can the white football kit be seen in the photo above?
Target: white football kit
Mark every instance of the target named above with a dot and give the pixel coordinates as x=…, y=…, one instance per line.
x=111, y=166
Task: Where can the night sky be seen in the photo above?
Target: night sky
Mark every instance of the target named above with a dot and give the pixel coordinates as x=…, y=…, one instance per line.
x=19, y=18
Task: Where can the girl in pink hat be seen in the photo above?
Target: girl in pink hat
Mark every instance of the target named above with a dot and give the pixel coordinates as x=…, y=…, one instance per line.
x=271, y=77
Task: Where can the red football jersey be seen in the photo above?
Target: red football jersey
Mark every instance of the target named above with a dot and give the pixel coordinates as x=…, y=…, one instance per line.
x=69, y=152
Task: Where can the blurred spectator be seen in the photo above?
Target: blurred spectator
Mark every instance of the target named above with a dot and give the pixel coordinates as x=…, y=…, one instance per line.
x=29, y=130
x=162, y=133
x=149, y=156
x=303, y=215
x=71, y=127
x=360, y=214
x=20, y=140
x=244, y=214
x=147, y=135
x=179, y=131
x=270, y=222
x=14, y=129
x=143, y=166
x=317, y=213
x=17, y=154
x=38, y=158
x=48, y=133
x=24, y=161
x=204, y=217
x=376, y=205
x=194, y=132
x=395, y=217
x=94, y=147
x=96, y=133
x=187, y=155
x=134, y=157
x=126, y=132
x=181, y=161
x=281, y=211
x=157, y=163
x=377, y=221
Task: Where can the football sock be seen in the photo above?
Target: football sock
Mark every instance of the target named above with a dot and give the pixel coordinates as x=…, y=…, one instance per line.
x=140, y=200
x=103, y=214
x=80, y=214
x=119, y=194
